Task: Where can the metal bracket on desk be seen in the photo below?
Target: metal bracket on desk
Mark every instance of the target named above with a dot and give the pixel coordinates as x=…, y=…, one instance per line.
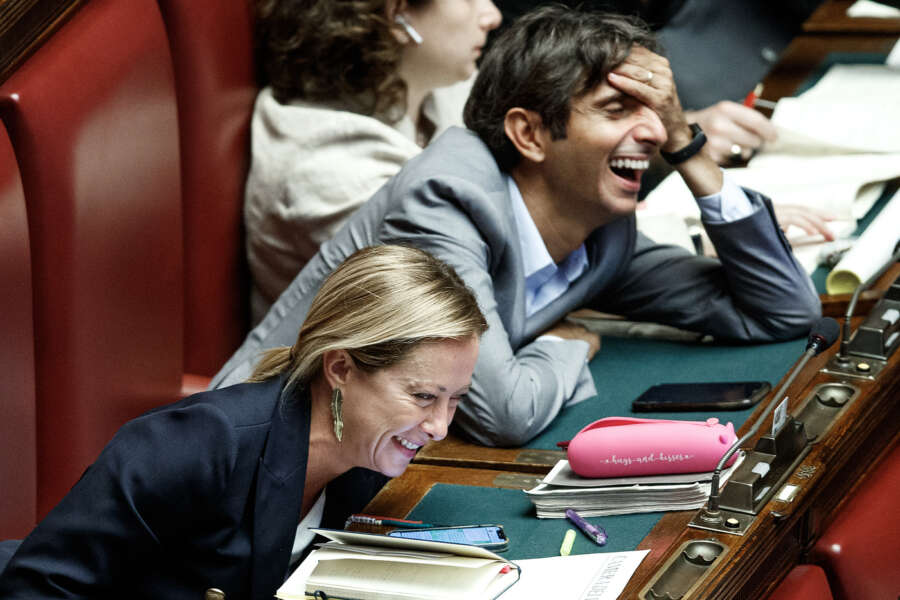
x=823, y=406
x=516, y=481
x=540, y=457
x=754, y=482
x=729, y=521
x=854, y=366
x=681, y=573
x=871, y=346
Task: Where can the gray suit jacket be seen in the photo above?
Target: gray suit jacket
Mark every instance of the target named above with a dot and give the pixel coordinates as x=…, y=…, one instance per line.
x=452, y=201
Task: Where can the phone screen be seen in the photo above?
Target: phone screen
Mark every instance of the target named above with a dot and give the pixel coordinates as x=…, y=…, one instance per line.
x=476, y=535
x=701, y=396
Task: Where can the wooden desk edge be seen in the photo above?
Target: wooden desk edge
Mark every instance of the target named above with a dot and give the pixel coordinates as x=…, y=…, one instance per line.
x=831, y=17
x=856, y=429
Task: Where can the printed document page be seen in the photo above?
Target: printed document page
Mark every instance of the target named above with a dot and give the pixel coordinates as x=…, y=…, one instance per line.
x=869, y=9
x=600, y=576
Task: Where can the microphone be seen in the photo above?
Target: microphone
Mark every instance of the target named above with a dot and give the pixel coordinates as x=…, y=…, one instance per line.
x=823, y=334
x=841, y=357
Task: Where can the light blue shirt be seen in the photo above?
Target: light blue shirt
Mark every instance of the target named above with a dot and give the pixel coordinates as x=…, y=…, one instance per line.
x=545, y=281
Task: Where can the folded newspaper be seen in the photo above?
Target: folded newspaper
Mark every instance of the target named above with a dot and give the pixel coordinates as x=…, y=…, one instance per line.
x=562, y=489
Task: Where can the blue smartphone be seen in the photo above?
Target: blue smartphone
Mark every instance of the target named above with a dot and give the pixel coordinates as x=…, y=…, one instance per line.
x=490, y=537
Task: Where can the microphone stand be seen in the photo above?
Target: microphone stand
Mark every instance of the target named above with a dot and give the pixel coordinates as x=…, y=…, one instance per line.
x=711, y=513
x=819, y=340
x=841, y=357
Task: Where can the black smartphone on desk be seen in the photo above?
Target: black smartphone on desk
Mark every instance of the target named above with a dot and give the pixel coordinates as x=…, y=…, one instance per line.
x=730, y=395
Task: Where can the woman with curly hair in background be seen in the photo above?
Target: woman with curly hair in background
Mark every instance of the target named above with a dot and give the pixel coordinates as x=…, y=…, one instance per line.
x=355, y=89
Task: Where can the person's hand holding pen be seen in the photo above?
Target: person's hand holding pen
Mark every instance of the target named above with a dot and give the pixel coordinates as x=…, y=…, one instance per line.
x=733, y=131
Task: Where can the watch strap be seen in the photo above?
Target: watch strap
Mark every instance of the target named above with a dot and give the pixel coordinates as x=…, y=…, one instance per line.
x=696, y=143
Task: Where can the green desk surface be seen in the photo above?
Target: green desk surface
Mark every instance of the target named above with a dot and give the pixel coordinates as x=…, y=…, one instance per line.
x=625, y=367
x=622, y=370
x=529, y=537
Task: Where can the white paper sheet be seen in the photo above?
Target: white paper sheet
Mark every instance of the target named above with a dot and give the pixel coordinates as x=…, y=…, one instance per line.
x=893, y=59
x=600, y=576
x=874, y=247
x=867, y=8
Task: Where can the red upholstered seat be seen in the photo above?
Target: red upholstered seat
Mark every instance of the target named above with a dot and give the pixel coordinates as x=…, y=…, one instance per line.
x=860, y=550
x=804, y=582
x=18, y=455
x=212, y=53
x=93, y=123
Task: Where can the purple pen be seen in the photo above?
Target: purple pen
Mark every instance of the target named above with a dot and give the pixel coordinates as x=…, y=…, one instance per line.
x=597, y=534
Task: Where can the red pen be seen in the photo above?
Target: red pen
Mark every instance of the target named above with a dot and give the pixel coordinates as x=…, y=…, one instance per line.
x=753, y=98
x=750, y=99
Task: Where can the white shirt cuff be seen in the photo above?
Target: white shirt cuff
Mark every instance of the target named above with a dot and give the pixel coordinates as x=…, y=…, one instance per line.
x=730, y=204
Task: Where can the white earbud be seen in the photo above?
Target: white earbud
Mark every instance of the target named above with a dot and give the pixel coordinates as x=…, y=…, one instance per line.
x=410, y=31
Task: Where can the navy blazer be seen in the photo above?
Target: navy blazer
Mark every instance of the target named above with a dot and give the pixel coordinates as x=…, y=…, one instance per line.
x=203, y=493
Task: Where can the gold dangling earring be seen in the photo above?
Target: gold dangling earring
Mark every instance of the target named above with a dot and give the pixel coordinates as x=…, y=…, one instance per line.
x=337, y=413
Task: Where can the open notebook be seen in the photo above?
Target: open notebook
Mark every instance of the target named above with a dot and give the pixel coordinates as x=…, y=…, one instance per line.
x=367, y=566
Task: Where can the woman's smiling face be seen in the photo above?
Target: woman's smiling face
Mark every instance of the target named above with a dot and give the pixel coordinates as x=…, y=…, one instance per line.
x=390, y=413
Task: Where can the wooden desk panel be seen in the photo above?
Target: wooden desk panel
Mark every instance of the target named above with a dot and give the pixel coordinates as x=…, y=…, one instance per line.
x=806, y=52
x=403, y=493
x=456, y=452
x=831, y=17
x=840, y=461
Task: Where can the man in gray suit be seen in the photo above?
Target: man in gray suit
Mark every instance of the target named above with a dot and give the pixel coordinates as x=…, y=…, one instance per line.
x=533, y=205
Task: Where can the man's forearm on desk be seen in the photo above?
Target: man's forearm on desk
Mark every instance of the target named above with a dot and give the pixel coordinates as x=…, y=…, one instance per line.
x=512, y=401
x=764, y=277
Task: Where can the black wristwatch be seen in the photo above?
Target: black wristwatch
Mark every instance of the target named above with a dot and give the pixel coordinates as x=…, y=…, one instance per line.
x=679, y=156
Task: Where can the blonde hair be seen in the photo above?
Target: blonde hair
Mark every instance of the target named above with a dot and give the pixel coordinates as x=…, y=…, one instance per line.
x=378, y=305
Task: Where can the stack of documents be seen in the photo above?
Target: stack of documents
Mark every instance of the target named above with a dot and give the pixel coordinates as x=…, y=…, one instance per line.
x=562, y=489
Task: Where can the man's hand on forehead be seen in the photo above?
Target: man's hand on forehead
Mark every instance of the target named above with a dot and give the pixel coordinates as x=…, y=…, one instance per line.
x=642, y=65
x=648, y=77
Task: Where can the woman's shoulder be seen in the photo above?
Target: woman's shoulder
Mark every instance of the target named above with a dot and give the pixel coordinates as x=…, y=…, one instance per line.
x=203, y=433
x=317, y=124
x=239, y=405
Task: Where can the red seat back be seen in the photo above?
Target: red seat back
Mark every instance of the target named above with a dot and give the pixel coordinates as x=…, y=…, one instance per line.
x=803, y=582
x=212, y=51
x=860, y=550
x=18, y=459
x=92, y=119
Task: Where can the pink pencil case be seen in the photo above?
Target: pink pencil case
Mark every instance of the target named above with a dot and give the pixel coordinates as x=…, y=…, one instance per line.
x=626, y=446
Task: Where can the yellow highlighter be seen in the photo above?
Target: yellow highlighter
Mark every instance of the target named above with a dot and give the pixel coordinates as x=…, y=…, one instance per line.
x=566, y=548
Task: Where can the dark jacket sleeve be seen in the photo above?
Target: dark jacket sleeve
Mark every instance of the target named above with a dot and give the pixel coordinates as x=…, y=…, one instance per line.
x=755, y=291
